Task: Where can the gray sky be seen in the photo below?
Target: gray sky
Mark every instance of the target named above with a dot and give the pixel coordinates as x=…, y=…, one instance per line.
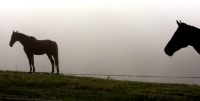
x=101, y=36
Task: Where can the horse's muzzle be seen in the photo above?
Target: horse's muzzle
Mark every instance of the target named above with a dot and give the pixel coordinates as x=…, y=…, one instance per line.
x=168, y=53
x=10, y=45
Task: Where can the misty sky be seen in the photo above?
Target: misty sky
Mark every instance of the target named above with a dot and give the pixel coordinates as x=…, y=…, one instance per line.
x=101, y=36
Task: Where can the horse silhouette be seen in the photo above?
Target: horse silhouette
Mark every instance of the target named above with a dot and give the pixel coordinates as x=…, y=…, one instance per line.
x=32, y=47
x=185, y=35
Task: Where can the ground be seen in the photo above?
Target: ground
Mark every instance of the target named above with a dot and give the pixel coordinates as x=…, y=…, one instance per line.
x=22, y=85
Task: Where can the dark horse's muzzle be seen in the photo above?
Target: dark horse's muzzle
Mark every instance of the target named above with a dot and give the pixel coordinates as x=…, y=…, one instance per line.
x=168, y=52
x=11, y=44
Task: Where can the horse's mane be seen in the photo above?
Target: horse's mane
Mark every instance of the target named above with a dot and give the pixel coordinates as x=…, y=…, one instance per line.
x=27, y=36
x=190, y=27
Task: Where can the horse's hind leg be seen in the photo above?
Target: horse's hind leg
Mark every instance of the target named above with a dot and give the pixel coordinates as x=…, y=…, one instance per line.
x=56, y=62
x=52, y=62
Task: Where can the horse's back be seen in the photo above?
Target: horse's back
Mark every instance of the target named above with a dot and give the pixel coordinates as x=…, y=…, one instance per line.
x=46, y=46
x=49, y=44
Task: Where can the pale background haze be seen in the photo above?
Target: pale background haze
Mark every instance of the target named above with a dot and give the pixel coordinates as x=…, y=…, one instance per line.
x=101, y=36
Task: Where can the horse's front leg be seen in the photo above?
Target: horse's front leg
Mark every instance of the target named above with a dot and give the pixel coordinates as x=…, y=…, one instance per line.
x=32, y=62
x=30, y=67
x=30, y=59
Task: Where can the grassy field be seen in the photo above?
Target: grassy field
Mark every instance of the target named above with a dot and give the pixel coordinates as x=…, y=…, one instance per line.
x=70, y=88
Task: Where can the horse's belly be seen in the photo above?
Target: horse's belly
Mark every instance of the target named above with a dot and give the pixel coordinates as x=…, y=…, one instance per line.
x=39, y=53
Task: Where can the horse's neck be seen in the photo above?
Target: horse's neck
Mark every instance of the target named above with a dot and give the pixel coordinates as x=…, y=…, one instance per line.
x=195, y=42
x=26, y=41
x=197, y=48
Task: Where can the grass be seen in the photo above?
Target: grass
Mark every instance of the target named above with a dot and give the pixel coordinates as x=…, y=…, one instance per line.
x=72, y=88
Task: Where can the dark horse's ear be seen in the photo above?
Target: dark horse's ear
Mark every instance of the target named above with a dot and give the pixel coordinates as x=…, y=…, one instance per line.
x=178, y=23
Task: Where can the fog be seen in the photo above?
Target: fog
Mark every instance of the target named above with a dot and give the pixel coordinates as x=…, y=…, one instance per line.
x=125, y=37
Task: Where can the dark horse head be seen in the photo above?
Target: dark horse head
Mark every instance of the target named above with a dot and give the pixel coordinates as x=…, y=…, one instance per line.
x=14, y=38
x=185, y=35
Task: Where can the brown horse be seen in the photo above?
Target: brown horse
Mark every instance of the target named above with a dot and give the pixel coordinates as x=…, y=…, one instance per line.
x=32, y=47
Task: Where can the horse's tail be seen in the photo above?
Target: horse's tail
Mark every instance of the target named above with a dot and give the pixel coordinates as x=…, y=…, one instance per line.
x=55, y=55
x=56, y=49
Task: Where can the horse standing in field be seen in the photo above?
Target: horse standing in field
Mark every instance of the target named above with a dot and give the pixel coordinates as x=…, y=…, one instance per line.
x=185, y=35
x=32, y=47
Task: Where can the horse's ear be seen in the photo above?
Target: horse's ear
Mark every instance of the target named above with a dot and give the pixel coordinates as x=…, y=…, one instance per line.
x=178, y=23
